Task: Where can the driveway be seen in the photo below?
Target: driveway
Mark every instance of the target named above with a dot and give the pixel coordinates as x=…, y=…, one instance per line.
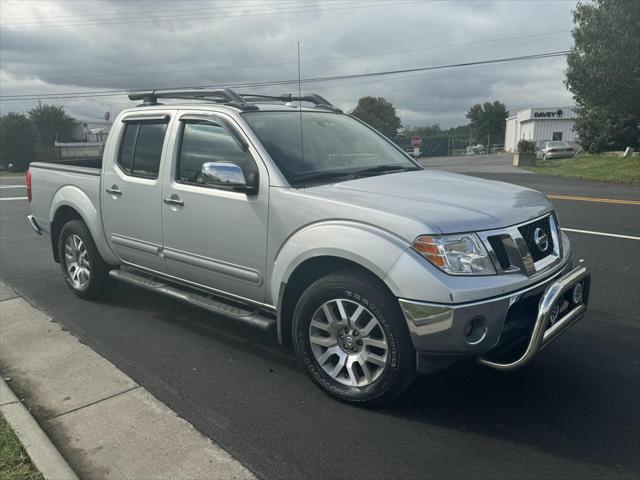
x=491, y=163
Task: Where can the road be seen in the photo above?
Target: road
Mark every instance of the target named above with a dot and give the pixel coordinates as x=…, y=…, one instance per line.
x=573, y=413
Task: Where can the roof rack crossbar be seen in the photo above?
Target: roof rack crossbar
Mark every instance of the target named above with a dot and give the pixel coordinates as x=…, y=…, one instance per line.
x=221, y=95
x=314, y=98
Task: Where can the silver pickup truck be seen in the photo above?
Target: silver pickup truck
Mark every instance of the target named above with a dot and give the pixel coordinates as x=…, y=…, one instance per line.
x=285, y=212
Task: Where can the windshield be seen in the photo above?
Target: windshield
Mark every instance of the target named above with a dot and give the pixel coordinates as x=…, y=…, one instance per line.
x=336, y=147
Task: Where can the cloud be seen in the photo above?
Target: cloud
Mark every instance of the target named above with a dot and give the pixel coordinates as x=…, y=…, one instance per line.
x=208, y=42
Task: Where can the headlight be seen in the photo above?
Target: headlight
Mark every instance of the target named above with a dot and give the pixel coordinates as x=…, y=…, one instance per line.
x=461, y=254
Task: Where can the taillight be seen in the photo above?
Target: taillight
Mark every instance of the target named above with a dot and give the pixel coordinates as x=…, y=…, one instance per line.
x=29, y=185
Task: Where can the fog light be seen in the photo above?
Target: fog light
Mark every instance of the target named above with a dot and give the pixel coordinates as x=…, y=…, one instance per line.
x=475, y=330
x=576, y=294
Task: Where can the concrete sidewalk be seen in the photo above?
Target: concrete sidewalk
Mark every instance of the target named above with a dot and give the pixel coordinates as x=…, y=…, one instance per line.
x=103, y=422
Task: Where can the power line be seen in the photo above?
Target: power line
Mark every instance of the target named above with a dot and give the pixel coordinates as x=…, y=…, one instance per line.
x=103, y=93
x=150, y=18
x=317, y=60
x=107, y=16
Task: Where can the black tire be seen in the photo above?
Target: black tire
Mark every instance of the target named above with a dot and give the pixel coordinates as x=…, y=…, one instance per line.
x=365, y=290
x=99, y=283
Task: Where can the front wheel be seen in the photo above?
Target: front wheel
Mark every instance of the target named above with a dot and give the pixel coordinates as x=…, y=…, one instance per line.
x=84, y=270
x=351, y=339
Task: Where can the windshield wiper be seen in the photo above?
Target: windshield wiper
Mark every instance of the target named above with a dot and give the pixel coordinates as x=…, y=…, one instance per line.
x=319, y=176
x=384, y=169
x=351, y=175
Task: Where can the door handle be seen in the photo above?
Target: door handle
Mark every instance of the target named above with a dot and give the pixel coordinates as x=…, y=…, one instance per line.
x=114, y=190
x=174, y=202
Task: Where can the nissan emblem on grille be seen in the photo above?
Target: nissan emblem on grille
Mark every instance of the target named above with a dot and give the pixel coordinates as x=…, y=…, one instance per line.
x=540, y=239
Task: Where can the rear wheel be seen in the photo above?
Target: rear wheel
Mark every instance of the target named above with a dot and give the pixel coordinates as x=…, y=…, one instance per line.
x=351, y=339
x=83, y=268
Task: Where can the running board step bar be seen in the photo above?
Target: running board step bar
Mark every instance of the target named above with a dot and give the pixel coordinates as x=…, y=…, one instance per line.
x=248, y=317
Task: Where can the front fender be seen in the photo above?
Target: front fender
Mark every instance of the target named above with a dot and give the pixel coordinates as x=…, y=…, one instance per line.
x=368, y=246
x=74, y=197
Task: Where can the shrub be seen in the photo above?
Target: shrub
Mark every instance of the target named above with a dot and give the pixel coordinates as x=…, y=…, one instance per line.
x=526, y=146
x=17, y=141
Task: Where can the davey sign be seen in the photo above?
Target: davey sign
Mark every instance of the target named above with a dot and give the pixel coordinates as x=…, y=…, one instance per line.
x=557, y=114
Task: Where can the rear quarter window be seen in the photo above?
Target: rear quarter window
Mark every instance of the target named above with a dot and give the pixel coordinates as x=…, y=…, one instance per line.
x=125, y=159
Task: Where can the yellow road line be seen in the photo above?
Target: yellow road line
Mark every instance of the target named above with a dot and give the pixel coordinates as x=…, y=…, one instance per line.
x=596, y=200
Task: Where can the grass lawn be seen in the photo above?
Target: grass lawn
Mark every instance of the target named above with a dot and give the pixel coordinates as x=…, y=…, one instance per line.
x=14, y=461
x=593, y=167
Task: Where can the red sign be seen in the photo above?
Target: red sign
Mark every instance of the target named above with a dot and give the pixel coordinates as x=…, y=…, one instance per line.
x=416, y=141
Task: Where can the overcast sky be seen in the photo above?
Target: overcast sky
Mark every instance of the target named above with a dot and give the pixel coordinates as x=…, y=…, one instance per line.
x=78, y=46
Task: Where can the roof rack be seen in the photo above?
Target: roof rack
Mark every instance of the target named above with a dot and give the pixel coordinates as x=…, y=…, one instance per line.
x=218, y=95
x=226, y=96
x=314, y=98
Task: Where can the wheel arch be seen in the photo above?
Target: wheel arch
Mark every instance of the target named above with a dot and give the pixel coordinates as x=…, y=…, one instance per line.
x=70, y=203
x=304, y=275
x=63, y=215
x=323, y=247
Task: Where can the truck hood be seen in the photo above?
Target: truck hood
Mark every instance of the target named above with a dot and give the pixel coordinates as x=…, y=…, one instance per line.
x=443, y=202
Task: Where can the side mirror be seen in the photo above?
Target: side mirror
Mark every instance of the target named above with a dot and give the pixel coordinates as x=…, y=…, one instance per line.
x=225, y=175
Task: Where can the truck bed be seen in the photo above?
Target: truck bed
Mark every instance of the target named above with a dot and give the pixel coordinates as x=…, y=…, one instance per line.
x=59, y=180
x=92, y=162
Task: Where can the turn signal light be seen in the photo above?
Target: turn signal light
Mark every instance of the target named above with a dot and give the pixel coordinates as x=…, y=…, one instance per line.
x=427, y=246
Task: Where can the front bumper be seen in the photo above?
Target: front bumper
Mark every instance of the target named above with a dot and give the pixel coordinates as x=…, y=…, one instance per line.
x=443, y=333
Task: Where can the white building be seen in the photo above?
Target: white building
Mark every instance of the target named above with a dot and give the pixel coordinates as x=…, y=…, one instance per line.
x=95, y=132
x=539, y=125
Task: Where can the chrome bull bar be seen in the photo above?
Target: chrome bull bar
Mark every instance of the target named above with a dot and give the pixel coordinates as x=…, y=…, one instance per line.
x=542, y=336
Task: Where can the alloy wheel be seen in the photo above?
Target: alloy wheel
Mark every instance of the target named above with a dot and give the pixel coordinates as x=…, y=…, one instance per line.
x=348, y=342
x=77, y=262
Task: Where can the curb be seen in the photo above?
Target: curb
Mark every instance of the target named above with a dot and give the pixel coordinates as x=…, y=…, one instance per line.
x=44, y=455
x=103, y=422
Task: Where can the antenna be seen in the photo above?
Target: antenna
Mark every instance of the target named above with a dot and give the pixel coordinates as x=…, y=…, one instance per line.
x=300, y=111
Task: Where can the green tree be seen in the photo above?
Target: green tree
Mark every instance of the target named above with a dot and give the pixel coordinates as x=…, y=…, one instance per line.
x=603, y=73
x=432, y=130
x=487, y=122
x=16, y=141
x=52, y=123
x=379, y=113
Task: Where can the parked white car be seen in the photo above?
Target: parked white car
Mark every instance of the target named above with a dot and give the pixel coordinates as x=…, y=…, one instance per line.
x=557, y=149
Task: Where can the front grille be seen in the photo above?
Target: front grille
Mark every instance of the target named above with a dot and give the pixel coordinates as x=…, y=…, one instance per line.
x=501, y=252
x=527, y=232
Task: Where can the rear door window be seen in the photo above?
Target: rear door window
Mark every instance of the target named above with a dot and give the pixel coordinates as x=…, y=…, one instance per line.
x=141, y=148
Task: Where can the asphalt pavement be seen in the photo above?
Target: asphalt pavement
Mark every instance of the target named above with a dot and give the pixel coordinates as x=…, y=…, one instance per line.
x=573, y=413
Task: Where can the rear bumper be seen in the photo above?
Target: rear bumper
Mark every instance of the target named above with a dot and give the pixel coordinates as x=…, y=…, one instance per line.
x=443, y=333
